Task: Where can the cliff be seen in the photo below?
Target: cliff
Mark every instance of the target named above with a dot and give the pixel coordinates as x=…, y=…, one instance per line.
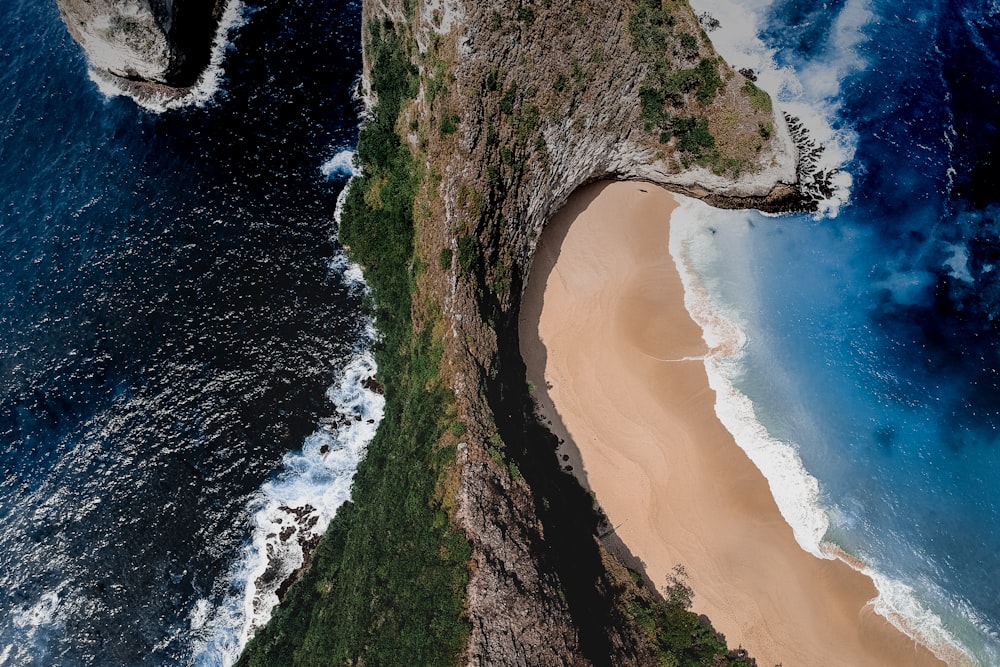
x=465, y=540
x=546, y=97
x=145, y=47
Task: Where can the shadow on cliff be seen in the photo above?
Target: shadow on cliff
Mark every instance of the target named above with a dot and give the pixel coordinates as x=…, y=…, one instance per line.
x=534, y=352
x=573, y=524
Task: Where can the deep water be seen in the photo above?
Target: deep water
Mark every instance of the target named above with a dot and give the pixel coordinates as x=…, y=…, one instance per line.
x=173, y=310
x=873, y=333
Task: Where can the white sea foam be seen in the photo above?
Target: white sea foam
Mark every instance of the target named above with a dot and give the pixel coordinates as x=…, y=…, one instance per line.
x=35, y=620
x=292, y=511
x=44, y=612
x=207, y=85
x=341, y=164
x=353, y=271
x=899, y=603
x=795, y=490
x=810, y=94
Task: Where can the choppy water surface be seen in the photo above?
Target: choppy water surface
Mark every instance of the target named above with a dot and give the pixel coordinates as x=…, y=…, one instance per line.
x=181, y=344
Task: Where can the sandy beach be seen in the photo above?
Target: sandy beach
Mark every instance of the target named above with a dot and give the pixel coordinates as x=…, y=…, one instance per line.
x=617, y=365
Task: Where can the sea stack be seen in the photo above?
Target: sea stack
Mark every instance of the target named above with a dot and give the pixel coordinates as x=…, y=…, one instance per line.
x=145, y=47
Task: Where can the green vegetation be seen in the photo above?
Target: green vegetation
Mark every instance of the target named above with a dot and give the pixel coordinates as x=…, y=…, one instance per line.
x=508, y=99
x=437, y=84
x=671, y=85
x=693, y=135
x=650, y=25
x=468, y=252
x=445, y=259
x=449, y=123
x=387, y=582
x=689, y=44
x=578, y=76
x=667, y=87
x=493, y=80
x=758, y=98
x=526, y=121
x=678, y=634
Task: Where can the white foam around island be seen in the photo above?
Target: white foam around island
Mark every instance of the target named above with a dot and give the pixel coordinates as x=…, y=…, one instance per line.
x=208, y=84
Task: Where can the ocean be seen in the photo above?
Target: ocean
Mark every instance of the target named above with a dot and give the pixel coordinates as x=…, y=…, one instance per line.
x=183, y=394
x=858, y=353
x=183, y=343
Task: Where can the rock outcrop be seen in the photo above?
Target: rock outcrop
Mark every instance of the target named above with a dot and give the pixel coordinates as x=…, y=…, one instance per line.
x=519, y=105
x=151, y=47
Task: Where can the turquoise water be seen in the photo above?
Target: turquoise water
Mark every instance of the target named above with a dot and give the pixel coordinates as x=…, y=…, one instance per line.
x=870, y=347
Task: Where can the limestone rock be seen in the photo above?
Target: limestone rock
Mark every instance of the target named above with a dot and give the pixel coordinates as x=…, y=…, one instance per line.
x=542, y=98
x=161, y=44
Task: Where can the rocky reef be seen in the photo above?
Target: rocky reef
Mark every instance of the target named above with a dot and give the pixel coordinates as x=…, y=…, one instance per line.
x=152, y=48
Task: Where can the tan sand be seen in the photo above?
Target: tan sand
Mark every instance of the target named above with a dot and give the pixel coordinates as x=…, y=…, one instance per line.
x=604, y=334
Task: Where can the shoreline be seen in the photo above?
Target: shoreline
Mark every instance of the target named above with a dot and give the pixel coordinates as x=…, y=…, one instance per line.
x=618, y=366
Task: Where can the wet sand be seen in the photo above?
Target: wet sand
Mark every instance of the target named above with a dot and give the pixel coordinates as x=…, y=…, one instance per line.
x=617, y=365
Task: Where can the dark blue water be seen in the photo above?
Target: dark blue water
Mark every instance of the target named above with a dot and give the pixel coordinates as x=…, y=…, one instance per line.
x=874, y=335
x=171, y=316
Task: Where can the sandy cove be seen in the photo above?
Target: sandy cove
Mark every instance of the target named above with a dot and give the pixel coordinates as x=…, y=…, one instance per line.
x=616, y=362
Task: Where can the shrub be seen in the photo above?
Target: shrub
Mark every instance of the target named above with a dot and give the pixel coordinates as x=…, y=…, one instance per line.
x=759, y=99
x=689, y=44
x=449, y=123
x=492, y=82
x=692, y=134
x=468, y=252
x=508, y=100
x=650, y=25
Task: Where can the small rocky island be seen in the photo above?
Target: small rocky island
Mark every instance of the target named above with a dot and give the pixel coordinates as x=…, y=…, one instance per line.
x=146, y=48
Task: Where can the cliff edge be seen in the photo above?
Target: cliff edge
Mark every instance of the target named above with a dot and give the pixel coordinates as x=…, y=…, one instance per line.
x=518, y=107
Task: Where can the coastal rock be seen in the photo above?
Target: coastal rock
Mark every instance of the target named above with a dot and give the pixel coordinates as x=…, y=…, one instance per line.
x=518, y=107
x=156, y=47
x=519, y=619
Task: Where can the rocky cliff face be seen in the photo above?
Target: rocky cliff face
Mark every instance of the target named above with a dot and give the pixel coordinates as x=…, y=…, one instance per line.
x=159, y=46
x=519, y=105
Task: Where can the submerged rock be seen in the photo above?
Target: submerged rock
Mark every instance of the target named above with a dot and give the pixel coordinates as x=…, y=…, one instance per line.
x=151, y=47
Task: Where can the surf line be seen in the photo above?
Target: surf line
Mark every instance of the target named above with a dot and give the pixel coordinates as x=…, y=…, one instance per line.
x=701, y=357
